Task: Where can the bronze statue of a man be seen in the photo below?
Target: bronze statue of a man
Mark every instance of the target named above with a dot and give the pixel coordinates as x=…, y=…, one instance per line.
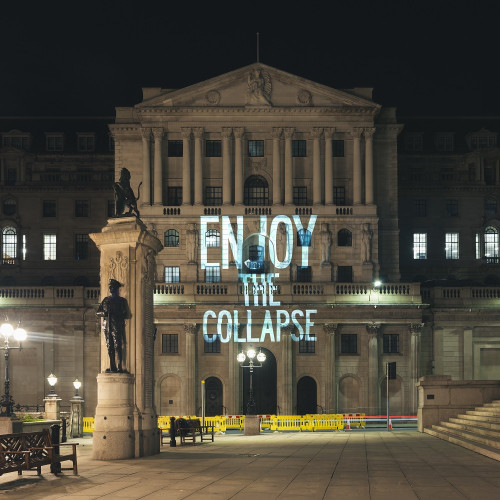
x=114, y=310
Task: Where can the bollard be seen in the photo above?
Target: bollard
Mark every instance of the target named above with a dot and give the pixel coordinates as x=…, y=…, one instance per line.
x=63, y=437
x=54, y=436
x=173, y=443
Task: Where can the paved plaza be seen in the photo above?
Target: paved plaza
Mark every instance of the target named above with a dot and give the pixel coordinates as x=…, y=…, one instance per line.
x=395, y=465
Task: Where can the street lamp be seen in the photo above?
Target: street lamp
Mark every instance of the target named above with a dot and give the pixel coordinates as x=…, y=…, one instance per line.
x=76, y=384
x=251, y=354
x=76, y=401
x=52, y=380
x=7, y=330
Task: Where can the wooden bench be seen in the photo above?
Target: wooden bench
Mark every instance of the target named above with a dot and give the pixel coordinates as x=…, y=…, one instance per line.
x=189, y=429
x=32, y=450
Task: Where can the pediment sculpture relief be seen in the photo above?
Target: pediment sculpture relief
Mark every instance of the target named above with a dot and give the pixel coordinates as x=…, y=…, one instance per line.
x=259, y=88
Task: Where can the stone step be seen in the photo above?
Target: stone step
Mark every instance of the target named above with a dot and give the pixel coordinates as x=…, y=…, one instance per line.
x=473, y=428
x=489, y=416
x=493, y=404
x=488, y=409
x=466, y=443
x=469, y=435
x=475, y=423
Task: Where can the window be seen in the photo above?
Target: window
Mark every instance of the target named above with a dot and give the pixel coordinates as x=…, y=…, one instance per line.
x=303, y=274
x=490, y=206
x=213, y=196
x=256, y=191
x=212, y=346
x=337, y=148
x=391, y=343
x=16, y=141
x=49, y=208
x=24, y=249
x=451, y=208
x=489, y=173
x=491, y=245
x=483, y=140
x=9, y=245
x=172, y=274
x=344, y=274
x=420, y=208
x=82, y=208
x=344, y=238
x=414, y=142
x=255, y=262
x=9, y=206
x=169, y=343
x=111, y=208
x=213, y=148
x=451, y=246
x=255, y=148
x=300, y=195
x=171, y=238
x=339, y=195
x=175, y=149
x=472, y=172
x=478, y=246
x=86, y=143
x=212, y=238
x=174, y=196
x=54, y=142
x=307, y=346
x=304, y=238
x=212, y=274
x=81, y=246
x=348, y=343
x=444, y=142
x=420, y=245
x=49, y=246
x=299, y=148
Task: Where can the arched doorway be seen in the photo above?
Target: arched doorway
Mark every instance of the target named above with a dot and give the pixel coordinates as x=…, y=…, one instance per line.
x=264, y=385
x=349, y=395
x=213, y=399
x=307, y=398
x=170, y=396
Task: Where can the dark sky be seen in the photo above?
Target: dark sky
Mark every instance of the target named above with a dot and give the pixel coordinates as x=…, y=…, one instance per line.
x=86, y=57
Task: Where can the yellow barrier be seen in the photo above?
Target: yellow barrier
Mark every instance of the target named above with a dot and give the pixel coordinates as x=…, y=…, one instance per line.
x=88, y=425
x=354, y=420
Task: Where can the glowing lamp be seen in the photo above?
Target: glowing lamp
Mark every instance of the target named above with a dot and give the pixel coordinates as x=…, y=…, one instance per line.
x=241, y=357
x=20, y=334
x=251, y=353
x=261, y=357
x=6, y=330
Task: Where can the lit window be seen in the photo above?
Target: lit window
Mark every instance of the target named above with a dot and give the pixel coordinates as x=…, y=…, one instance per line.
x=491, y=245
x=81, y=246
x=337, y=148
x=299, y=195
x=171, y=238
x=348, y=343
x=451, y=246
x=25, y=247
x=213, y=148
x=298, y=148
x=344, y=238
x=304, y=238
x=169, y=343
x=86, y=143
x=212, y=274
x=55, y=142
x=175, y=148
x=212, y=238
x=391, y=343
x=49, y=246
x=478, y=246
x=420, y=245
x=172, y=274
x=255, y=262
x=256, y=148
x=9, y=245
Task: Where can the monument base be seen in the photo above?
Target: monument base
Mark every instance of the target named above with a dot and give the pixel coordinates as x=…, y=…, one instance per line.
x=147, y=434
x=10, y=425
x=252, y=425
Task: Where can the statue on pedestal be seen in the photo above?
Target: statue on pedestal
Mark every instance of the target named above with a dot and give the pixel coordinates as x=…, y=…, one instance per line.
x=124, y=196
x=366, y=240
x=114, y=310
x=326, y=243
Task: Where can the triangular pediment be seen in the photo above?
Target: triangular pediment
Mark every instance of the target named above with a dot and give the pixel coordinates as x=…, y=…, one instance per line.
x=257, y=86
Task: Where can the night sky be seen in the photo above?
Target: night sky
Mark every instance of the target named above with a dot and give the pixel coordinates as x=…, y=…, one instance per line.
x=85, y=58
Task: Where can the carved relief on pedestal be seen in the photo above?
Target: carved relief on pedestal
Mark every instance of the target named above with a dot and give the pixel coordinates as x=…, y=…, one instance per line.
x=118, y=268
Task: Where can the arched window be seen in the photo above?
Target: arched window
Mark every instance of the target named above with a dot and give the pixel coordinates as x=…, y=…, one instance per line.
x=255, y=261
x=212, y=238
x=344, y=238
x=9, y=245
x=490, y=206
x=256, y=191
x=9, y=206
x=491, y=245
x=304, y=238
x=171, y=238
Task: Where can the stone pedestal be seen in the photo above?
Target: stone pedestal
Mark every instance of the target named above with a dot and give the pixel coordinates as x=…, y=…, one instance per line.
x=367, y=272
x=252, y=425
x=10, y=425
x=76, y=417
x=52, y=407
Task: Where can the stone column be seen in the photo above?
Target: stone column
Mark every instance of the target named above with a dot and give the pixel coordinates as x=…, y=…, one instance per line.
x=76, y=424
x=198, y=166
x=288, y=166
x=373, y=362
x=468, y=354
x=226, y=166
x=277, y=133
x=186, y=166
x=368, y=133
x=231, y=398
x=146, y=165
x=286, y=378
x=238, y=165
x=356, y=165
x=316, y=134
x=330, y=377
x=191, y=381
x=328, y=134
x=415, y=331
x=158, y=168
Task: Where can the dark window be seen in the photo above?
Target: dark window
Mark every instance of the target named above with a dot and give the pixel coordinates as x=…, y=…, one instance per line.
x=171, y=238
x=175, y=148
x=303, y=274
x=307, y=346
x=111, y=208
x=304, y=238
x=174, y=196
x=489, y=175
x=81, y=246
x=339, y=195
x=212, y=238
x=255, y=262
x=11, y=176
x=300, y=195
x=338, y=148
x=256, y=191
x=213, y=148
x=213, y=345
x=212, y=274
x=82, y=208
x=172, y=274
x=299, y=148
x=451, y=208
x=420, y=208
x=344, y=274
x=344, y=238
x=55, y=143
x=256, y=148
x=472, y=172
x=9, y=206
x=86, y=143
x=169, y=343
x=391, y=343
x=213, y=196
x=348, y=343
x=490, y=206
x=49, y=208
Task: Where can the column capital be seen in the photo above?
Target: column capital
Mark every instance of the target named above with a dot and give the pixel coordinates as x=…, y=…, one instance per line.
x=226, y=132
x=190, y=328
x=330, y=328
x=186, y=132
x=146, y=133
x=198, y=132
x=328, y=132
x=158, y=133
x=239, y=132
x=415, y=328
x=289, y=131
x=373, y=329
x=368, y=132
x=356, y=132
x=315, y=133
x=276, y=132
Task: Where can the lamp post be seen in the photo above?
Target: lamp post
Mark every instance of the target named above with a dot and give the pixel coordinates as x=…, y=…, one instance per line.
x=76, y=412
x=251, y=354
x=7, y=330
x=52, y=400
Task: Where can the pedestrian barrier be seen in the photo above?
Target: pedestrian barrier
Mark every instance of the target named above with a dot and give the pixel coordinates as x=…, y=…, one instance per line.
x=88, y=425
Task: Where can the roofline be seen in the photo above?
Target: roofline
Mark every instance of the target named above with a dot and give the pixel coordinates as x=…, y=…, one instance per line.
x=57, y=117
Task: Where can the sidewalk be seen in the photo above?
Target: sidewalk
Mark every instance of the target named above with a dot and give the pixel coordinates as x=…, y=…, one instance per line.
x=395, y=465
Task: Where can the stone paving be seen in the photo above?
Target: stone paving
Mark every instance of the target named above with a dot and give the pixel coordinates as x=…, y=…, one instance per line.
x=395, y=465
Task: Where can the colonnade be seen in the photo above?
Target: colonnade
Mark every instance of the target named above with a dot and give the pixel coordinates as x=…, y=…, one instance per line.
x=233, y=171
